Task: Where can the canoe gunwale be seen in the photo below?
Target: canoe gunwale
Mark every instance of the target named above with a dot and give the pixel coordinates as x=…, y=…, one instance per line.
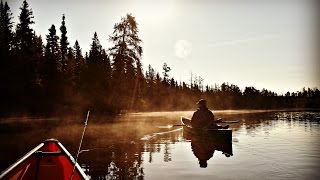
x=73, y=161
x=19, y=161
x=39, y=154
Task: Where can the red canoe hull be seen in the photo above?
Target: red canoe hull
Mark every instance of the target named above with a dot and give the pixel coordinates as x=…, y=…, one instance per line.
x=49, y=160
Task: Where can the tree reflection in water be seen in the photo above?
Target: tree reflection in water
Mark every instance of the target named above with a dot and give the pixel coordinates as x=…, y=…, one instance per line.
x=119, y=161
x=124, y=160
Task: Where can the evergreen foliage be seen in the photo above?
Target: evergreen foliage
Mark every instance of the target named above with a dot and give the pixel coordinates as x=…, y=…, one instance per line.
x=6, y=45
x=57, y=78
x=127, y=68
x=24, y=33
x=6, y=34
x=64, y=44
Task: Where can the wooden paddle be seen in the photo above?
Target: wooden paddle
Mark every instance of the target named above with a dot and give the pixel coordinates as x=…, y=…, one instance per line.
x=217, y=121
x=170, y=126
x=228, y=121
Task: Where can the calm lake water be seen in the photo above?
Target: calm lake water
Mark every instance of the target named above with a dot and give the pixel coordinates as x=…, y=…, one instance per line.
x=265, y=145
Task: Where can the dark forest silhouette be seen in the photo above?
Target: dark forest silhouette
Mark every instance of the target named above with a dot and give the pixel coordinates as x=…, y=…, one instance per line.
x=55, y=77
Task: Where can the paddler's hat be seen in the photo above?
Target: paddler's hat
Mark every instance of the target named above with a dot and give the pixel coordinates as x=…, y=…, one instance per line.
x=202, y=102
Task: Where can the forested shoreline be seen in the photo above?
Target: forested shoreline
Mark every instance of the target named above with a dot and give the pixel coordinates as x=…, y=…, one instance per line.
x=56, y=77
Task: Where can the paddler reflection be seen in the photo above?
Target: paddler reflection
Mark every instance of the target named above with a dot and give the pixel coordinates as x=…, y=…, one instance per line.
x=204, y=148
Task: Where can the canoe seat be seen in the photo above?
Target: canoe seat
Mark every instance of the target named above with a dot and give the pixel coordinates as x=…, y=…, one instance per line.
x=49, y=163
x=42, y=153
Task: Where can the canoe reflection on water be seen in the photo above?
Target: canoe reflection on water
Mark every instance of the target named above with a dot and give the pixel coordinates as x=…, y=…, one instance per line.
x=204, y=147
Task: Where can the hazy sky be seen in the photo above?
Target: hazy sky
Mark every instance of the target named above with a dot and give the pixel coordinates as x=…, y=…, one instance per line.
x=264, y=43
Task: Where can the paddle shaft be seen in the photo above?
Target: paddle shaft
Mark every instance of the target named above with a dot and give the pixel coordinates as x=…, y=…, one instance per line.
x=84, y=129
x=227, y=122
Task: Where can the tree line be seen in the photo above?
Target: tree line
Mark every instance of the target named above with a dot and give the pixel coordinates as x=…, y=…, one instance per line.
x=55, y=77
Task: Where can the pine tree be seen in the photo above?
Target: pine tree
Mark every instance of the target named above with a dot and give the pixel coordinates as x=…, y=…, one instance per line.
x=150, y=75
x=64, y=44
x=166, y=69
x=94, y=63
x=6, y=37
x=51, y=71
x=6, y=34
x=126, y=55
x=106, y=73
x=25, y=61
x=70, y=69
x=78, y=50
x=24, y=42
x=52, y=47
x=38, y=46
x=97, y=75
x=79, y=60
x=71, y=53
x=107, y=67
x=38, y=50
x=52, y=67
x=24, y=33
x=91, y=74
x=95, y=51
x=127, y=50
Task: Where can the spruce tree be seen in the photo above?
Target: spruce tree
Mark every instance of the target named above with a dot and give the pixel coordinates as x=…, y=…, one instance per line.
x=71, y=66
x=166, y=69
x=95, y=76
x=95, y=50
x=24, y=33
x=78, y=50
x=106, y=67
x=71, y=53
x=25, y=62
x=64, y=44
x=150, y=75
x=94, y=64
x=38, y=50
x=52, y=47
x=52, y=66
x=6, y=37
x=79, y=60
x=6, y=34
x=38, y=46
x=150, y=81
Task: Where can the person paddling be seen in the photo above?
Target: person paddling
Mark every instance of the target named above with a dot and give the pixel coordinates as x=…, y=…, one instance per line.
x=204, y=118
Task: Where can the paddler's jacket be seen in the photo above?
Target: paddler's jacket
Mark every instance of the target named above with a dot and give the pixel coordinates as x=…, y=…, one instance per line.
x=202, y=117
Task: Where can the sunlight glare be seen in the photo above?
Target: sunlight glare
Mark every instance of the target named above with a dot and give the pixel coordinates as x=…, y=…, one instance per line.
x=156, y=14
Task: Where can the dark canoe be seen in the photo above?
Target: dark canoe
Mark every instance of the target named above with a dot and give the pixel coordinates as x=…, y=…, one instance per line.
x=200, y=144
x=224, y=135
x=49, y=160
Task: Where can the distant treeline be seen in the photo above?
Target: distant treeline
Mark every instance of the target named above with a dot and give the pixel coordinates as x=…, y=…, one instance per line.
x=56, y=77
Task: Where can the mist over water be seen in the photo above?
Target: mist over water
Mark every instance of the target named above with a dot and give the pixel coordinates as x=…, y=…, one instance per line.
x=269, y=144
